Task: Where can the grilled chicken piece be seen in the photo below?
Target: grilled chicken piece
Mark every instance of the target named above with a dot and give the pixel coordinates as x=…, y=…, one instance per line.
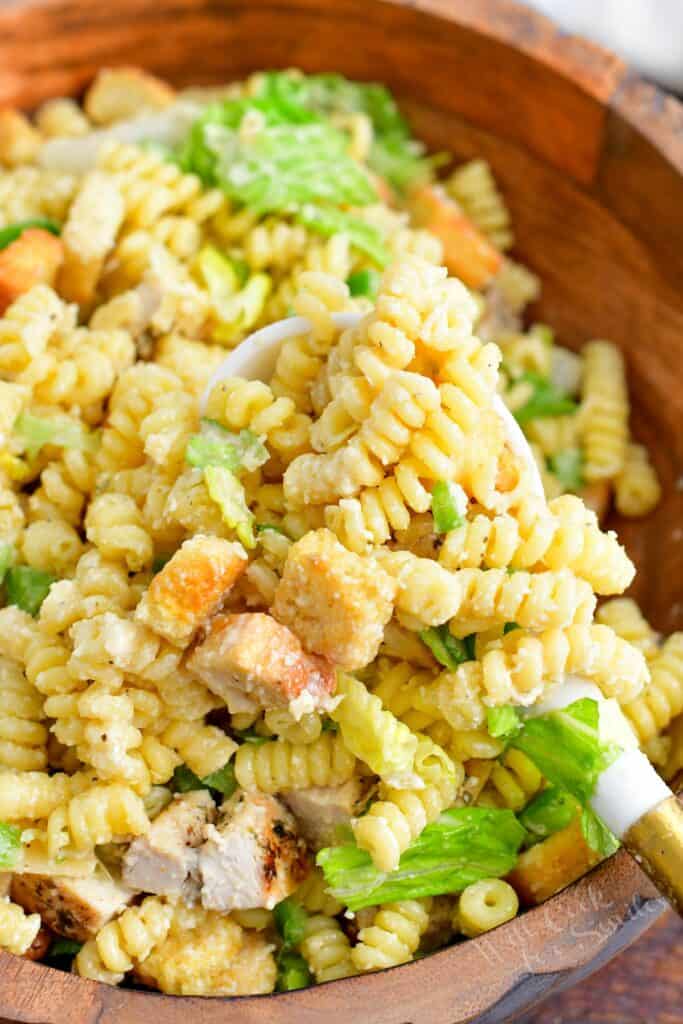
x=321, y=810
x=73, y=907
x=165, y=861
x=254, y=857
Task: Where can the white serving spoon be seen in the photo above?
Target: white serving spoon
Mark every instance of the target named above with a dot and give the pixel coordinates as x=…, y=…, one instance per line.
x=630, y=797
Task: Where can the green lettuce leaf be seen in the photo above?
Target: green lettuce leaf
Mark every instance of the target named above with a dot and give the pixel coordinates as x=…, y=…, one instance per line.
x=567, y=466
x=449, y=506
x=223, y=780
x=545, y=400
x=549, y=812
x=328, y=221
x=465, y=845
x=290, y=921
x=37, y=431
x=566, y=748
x=292, y=972
x=27, y=587
x=10, y=233
x=597, y=835
x=503, y=722
x=447, y=649
x=10, y=845
x=225, y=489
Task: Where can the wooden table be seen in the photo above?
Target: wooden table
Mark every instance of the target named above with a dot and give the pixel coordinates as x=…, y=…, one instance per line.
x=642, y=986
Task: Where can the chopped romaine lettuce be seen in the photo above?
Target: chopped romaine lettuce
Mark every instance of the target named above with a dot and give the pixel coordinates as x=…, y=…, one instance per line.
x=237, y=299
x=328, y=221
x=27, y=587
x=566, y=748
x=568, y=468
x=545, y=400
x=596, y=833
x=549, y=812
x=36, y=431
x=64, y=948
x=6, y=559
x=10, y=233
x=503, y=722
x=465, y=845
x=292, y=972
x=290, y=921
x=223, y=780
x=10, y=845
x=447, y=649
x=449, y=506
x=364, y=282
x=225, y=489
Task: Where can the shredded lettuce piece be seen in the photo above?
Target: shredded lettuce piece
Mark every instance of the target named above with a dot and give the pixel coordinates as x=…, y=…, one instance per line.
x=10, y=233
x=568, y=468
x=503, y=722
x=447, y=649
x=6, y=559
x=465, y=845
x=364, y=282
x=549, y=812
x=395, y=155
x=566, y=748
x=216, y=446
x=292, y=972
x=449, y=506
x=36, y=431
x=290, y=921
x=63, y=948
x=597, y=835
x=327, y=221
x=546, y=400
x=237, y=300
x=10, y=845
x=225, y=489
x=223, y=780
x=27, y=587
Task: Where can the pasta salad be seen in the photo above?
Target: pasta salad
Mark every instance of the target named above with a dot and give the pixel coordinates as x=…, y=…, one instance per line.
x=268, y=649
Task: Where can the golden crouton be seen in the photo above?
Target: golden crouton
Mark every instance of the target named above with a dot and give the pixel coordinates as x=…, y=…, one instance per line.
x=120, y=93
x=34, y=258
x=467, y=252
x=40, y=945
x=191, y=587
x=335, y=600
x=251, y=660
x=19, y=141
x=552, y=865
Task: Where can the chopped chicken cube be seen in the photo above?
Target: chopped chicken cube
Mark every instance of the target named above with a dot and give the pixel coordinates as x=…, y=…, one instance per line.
x=251, y=661
x=191, y=587
x=254, y=858
x=76, y=908
x=336, y=601
x=165, y=861
x=321, y=810
x=34, y=258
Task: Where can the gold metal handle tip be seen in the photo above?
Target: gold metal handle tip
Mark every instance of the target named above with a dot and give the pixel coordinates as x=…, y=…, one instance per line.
x=656, y=842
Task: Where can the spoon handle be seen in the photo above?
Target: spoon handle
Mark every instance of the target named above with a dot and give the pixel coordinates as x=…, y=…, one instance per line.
x=656, y=843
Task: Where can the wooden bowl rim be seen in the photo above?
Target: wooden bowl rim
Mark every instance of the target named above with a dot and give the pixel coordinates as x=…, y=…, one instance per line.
x=658, y=117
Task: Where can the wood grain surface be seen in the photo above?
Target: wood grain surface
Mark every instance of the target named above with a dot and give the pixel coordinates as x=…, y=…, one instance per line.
x=642, y=986
x=591, y=162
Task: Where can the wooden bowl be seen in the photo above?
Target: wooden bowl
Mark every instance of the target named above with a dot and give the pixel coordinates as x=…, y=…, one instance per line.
x=591, y=161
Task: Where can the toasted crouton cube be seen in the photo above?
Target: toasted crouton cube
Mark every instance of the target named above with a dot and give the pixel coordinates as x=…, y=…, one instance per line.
x=34, y=258
x=165, y=860
x=335, y=600
x=552, y=865
x=119, y=93
x=252, y=661
x=254, y=857
x=76, y=908
x=467, y=252
x=191, y=587
x=40, y=945
x=19, y=140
